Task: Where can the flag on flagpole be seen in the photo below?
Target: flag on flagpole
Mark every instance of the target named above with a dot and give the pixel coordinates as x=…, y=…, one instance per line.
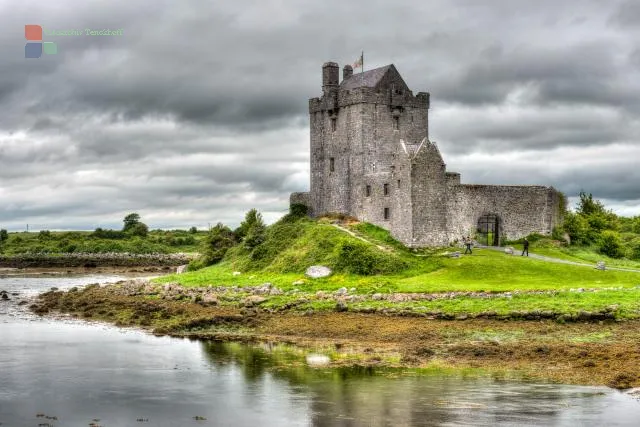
x=359, y=62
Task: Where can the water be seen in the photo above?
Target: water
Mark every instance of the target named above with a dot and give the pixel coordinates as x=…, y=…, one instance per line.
x=77, y=372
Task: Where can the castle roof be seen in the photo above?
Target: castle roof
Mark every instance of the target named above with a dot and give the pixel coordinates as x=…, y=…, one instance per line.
x=369, y=78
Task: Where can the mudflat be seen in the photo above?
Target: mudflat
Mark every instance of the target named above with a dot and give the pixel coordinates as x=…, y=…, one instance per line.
x=590, y=353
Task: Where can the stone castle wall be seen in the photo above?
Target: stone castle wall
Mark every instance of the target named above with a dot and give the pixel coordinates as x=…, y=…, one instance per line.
x=355, y=146
x=522, y=209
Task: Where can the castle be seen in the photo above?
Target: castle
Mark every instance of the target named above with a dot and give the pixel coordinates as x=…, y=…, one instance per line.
x=371, y=158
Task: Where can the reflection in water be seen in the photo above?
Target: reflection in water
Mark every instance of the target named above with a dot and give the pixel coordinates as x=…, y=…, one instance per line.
x=78, y=371
x=366, y=396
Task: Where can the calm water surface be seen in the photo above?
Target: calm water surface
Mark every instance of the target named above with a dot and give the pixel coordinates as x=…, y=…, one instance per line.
x=78, y=372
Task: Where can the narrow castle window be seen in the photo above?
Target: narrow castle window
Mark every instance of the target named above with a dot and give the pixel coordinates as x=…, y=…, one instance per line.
x=398, y=183
x=332, y=164
x=367, y=191
x=396, y=123
x=333, y=125
x=386, y=189
x=386, y=213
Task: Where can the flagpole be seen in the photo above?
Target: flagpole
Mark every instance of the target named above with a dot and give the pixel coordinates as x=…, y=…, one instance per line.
x=362, y=67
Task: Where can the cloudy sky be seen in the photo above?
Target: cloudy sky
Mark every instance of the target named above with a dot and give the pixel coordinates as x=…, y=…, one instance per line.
x=198, y=112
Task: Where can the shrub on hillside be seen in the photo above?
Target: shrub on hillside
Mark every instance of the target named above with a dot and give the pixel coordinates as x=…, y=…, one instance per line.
x=356, y=257
x=296, y=211
x=633, y=249
x=217, y=243
x=610, y=244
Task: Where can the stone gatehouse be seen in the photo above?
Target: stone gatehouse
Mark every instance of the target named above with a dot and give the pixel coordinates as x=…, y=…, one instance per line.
x=371, y=158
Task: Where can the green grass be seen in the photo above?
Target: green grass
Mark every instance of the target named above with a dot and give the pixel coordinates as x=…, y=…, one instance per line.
x=625, y=304
x=291, y=247
x=492, y=271
x=579, y=254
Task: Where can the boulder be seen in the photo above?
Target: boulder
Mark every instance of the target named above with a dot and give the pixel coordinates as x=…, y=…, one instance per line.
x=210, y=298
x=601, y=266
x=265, y=288
x=341, y=291
x=341, y=306
x=454, y=254
x=275, y=291
x=253, y=300
x=317, y=271
x=236, y=273
x=182, y=269
x=509, y=250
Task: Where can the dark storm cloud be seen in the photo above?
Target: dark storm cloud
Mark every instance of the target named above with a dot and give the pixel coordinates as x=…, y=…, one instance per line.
x=199, y=111
x=627, y=15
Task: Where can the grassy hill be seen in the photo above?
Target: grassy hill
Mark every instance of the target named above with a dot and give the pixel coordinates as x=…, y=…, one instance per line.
x=382, y=265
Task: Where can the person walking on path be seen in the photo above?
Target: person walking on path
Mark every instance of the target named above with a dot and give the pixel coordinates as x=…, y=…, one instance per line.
x=467, y=242
x=525, y=247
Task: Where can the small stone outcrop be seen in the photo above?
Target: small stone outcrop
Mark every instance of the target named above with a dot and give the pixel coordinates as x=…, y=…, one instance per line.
x=318, y=271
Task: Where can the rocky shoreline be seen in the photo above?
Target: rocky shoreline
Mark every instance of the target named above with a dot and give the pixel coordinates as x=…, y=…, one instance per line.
x=579, y=352
x=251, y=298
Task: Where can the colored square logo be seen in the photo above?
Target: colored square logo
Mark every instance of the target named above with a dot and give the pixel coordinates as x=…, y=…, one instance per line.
x=33, y=32
x=50, y=48
x=33, y=50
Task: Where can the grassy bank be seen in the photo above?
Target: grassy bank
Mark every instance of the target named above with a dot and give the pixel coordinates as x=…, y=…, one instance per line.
x=524, y=285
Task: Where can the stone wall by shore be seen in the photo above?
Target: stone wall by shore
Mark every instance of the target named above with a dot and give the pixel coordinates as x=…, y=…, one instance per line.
x=92, y=260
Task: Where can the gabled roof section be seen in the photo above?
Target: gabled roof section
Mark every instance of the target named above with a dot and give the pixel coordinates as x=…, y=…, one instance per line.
x=377, y=78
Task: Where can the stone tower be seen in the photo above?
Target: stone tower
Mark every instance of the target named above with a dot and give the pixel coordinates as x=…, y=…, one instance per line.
x=371, y=158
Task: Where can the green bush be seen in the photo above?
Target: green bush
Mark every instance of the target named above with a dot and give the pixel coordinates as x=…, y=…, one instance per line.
x=610, y=244
x=357, y=257
x=634, y=249
x=217, y=243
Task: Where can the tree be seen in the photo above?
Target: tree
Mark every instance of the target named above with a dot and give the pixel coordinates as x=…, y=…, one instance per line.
x=577, y=228
x=252, y=229
x=217, y=243
x=588, y=206
x=130, y=221
x=193, y=230
x=134, y=227
x=139, y=229
x=4, y=235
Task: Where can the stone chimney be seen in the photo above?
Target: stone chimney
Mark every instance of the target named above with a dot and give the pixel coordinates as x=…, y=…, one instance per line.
x=347, y=72
x=330, y=76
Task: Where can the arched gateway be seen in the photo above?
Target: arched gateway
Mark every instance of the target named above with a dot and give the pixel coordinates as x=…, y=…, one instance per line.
x=489, y=230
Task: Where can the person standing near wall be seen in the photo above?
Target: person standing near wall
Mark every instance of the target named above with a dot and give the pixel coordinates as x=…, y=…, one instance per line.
x=525, y=247
x=467, y=243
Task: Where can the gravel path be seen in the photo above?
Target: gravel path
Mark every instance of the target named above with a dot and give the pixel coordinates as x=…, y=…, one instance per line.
x=558, y=260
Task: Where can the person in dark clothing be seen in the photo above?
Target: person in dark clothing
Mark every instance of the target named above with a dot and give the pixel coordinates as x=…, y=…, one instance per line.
x=467, y=243
x=526, y=247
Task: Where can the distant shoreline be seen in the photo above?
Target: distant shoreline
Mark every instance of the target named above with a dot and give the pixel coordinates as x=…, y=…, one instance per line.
x=93, y=260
